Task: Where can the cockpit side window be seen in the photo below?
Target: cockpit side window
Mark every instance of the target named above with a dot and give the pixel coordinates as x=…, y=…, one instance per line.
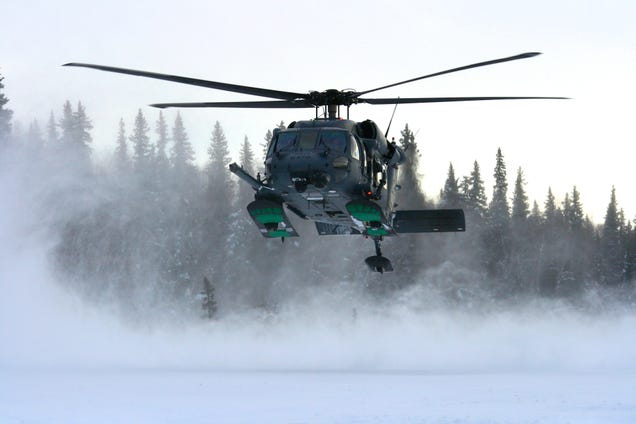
x=285, y=141
x=353, y=148
x=335, y=141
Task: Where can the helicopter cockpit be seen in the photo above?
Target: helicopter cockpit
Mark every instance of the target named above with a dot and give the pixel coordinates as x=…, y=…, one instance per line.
x=322, y=140
x=313, y=149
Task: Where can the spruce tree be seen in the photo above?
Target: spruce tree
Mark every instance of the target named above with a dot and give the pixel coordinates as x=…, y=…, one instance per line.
x=266, y=140
x=76, y=126
x=140, y=143
x=520, y=206
x=162, y=141
x=499, y=211
x=567, y=210
x=535, y=219
x=497, y=237
x=575, y=217
x=219, y=196
x=610, y=244
x=474, y=192
x=552, y=255
x=450, y=194
x=82, y=127
x=246, y=156
x=630, y=252
x=182, y=153
x=67, y=124
x=5, y=116
x=121, y=149
x=409, y=179
x=550, y=211
x=219, y=155
x=52, y=135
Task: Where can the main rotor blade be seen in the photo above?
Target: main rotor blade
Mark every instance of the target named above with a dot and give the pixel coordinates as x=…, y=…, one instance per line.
x=401, y=100
x=274, y=104
x=461, y=68
x=255, y=91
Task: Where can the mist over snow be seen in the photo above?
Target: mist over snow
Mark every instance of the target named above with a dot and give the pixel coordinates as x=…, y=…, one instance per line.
x=445, y=322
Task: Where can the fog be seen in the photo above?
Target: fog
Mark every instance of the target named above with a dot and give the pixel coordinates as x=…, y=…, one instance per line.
x=431, y=326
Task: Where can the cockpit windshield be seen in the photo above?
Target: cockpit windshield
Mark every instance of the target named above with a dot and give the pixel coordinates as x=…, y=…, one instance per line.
x=332, y=140
x=307, y=140
x=335, y=141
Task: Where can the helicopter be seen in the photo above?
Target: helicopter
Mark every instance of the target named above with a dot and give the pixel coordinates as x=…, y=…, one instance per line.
x=337, y=172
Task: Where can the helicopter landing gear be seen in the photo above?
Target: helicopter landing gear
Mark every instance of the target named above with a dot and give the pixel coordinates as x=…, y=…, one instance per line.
x=378, y=263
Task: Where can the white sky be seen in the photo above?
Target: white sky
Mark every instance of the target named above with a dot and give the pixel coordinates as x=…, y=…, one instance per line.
x=589, y=54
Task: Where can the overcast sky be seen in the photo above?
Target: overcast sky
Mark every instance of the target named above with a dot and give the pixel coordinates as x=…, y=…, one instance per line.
x=589, y=54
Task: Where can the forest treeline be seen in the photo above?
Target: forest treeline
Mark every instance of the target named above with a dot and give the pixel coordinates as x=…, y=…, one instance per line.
x=144, y=227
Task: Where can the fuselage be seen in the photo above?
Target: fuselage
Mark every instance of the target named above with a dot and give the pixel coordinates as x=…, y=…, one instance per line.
x=319, y=166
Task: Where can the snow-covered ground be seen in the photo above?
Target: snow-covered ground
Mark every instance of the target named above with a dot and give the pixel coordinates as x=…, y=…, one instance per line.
x=137, y=395
x=62, y=361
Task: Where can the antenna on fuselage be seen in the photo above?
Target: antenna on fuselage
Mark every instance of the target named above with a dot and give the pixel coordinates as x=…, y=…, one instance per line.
x=386, y=135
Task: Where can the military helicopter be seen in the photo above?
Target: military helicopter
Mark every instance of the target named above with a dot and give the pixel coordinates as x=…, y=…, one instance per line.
x=339, y=173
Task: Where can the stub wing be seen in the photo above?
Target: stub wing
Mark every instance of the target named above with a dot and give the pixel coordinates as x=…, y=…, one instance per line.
x=429, y=221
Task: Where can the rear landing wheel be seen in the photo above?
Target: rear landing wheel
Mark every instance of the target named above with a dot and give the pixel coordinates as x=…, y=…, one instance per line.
x=378, y=263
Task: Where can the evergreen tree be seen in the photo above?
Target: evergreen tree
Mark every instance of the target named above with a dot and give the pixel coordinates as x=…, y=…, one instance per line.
x=246, y=156
x=76, y=126
x=474, y=192
x=162, y=141
x=5, y=116
x=219, y=196
x=497, y=237
x=499, y=211
x=567, y=210
x=82, y=127
x=52, y=135
x=182, y=153
x=266, y=140
x=535, y=220
x=450, y=195
x=553, y=249
x=246, y=160
x=218, y=154
x=121, y=149
x=630, y=252
x=409, y=179
x=520, y=207
x=208, y=303
x=611, y=257
x=140, y=143
x=576, y=217
x=67, y=124
x=550, y=212
x=525, y=242
x=245, y=244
